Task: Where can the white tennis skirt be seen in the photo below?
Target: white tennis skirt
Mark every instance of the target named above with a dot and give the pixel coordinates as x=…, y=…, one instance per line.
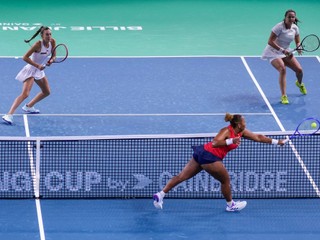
x=30, y=71
x=269, y=53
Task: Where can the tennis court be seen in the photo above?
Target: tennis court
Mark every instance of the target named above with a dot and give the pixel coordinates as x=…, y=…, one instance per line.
x=153, y=71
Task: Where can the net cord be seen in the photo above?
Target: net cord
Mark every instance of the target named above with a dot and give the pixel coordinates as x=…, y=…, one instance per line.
x=116, y=137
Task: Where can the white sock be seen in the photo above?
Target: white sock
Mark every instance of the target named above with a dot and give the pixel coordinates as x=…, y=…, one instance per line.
x=162, y=194
x=230, y=203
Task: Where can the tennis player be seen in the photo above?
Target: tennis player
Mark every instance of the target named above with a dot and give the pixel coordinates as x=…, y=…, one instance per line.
x=278, y=52
x=33, y=72
x=209, y=157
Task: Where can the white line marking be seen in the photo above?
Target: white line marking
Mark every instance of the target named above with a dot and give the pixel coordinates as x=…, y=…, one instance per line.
x=139, y=114
x=40, y=222
x=173, y=56
x=262, y=94
x=26, y=125
x=303, y=166
x=30, y=151
x=35, y=175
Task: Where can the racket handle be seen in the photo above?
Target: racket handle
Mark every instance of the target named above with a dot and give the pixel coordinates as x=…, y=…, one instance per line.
x=45, y=65
x=284, y=142
x=296, y=50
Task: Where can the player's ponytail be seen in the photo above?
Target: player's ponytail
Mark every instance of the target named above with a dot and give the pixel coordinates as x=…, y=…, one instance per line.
x=228, y=117
x=40, y=30
x=233, y=119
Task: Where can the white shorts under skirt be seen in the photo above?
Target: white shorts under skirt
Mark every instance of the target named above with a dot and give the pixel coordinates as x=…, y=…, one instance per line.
x=30, y=71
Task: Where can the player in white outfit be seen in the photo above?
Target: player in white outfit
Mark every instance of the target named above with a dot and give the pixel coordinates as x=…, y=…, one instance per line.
x=278, y=52
x=33, y=72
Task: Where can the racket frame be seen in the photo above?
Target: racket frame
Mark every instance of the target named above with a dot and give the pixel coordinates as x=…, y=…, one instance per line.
x=300, y=47
x=53, y=55
x=299, y=134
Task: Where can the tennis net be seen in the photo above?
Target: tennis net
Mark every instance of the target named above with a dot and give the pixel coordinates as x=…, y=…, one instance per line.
x=138, y=166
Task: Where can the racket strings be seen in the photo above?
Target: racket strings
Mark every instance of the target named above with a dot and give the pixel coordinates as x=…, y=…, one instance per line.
x=308, y=127
x=61, y=53
x=311, y=43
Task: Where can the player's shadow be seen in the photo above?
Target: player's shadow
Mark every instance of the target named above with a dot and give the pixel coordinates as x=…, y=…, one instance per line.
x=295, y=110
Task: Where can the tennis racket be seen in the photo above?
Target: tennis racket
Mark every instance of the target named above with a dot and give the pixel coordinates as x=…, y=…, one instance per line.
x=58, y=54
x=309, y=44
x=307, y=127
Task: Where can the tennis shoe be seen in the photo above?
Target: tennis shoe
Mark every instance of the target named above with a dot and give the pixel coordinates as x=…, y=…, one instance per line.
x=8, y=118
x=157, y=200
x=284, y=99
x=236, y=206
x=31, y=110
x=302, y=88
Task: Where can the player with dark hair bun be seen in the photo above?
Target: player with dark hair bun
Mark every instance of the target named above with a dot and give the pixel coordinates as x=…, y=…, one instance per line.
x=279, y=54
x=209, y=157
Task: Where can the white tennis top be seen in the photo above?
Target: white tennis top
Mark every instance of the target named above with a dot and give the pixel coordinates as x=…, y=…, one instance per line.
x=41, y=57
x=285, y=36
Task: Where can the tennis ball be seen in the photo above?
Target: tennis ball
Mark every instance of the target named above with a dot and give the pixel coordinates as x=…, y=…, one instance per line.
x=313, y=125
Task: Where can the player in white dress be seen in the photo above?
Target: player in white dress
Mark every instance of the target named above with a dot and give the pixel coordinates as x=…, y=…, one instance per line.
x=278, y=52
x=33, y=72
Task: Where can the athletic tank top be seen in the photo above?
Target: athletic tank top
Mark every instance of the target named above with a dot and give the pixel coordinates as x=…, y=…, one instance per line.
x=222, y=151
x=41, y=57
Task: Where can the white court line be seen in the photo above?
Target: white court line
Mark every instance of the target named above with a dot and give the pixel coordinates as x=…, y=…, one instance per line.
x=318, y=58
x=35, y=176
x=303, y=166
x=262, y=94
x=173, y=56
x=30, y=152
x=140, y=114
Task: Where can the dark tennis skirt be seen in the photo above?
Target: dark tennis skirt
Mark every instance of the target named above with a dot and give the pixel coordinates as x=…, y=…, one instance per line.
x=202, y=156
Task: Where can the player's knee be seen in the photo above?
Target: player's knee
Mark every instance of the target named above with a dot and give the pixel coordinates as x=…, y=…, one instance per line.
x=224, y=179
x=25, y=95
x=282, y=69
x=46, y=93
x=299, y=71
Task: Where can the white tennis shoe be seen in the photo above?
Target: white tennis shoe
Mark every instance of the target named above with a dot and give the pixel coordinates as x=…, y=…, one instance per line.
x=8, y=118
x=236, y=206
x=157, y=200
x=31, y=110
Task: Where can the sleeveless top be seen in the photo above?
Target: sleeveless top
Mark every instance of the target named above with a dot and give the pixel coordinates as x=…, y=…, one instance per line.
x=41, y=57
x=222, y=151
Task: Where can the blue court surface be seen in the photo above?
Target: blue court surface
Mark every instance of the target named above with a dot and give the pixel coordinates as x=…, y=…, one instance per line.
x=287, y=219
x=159, y=95
x=164, y=95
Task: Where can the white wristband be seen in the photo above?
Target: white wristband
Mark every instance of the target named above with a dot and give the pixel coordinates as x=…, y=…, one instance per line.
x=281, y=49
x=229, y=141
x=274, y=141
